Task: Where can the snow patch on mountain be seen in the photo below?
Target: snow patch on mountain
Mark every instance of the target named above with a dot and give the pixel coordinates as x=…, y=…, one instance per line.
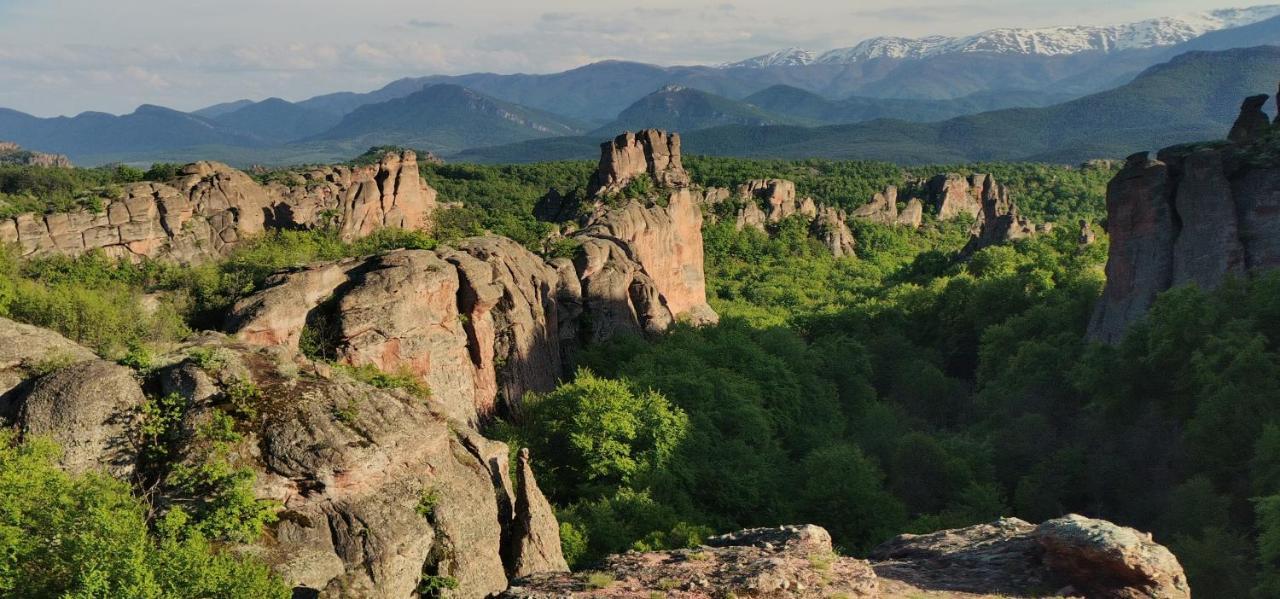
x=789, y=57
x=1047, y=41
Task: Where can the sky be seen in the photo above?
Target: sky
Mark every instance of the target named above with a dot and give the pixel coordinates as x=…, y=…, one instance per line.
x=63, y=57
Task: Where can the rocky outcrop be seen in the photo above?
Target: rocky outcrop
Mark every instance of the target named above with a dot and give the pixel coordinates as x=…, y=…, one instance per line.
x=377, y=488
x=912, y=214
x=1074, y=554
x=995, y=214
x=831, y=227
x=791, y=561
x=13, y=154
x=54, y=388
x=641, y=265
x=485, y=321
x=883, y=208
x=1071, y=556
x=534, y=543
x=1196, y=214
x=766, y=201
x=1252, y=122
x=211, y=208
x=951, y=195
x=649, y=152
x=478, y=323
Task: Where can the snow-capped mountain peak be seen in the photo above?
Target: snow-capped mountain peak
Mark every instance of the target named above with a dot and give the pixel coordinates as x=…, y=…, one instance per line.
x=788, y=57
x=1047, y=41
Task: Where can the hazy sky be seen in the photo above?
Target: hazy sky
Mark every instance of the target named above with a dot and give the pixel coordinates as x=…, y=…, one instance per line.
x=68, y=56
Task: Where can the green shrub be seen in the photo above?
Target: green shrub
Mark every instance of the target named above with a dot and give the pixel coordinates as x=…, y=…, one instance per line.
x=87, y=536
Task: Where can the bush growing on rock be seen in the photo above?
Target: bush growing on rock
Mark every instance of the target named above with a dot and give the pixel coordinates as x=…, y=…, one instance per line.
x=87, y=536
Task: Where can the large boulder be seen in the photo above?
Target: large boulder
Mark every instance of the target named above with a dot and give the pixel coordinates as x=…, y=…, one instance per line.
x=883, y=207
x=1073, y=554
x=27, y=350
x=90, y=410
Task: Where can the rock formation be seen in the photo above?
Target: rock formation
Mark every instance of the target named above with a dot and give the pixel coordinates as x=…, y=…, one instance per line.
x=1071, y=556
x=883, y=207
x=766, y=201
x=485, y=321
x=476, y=323
x=1194, y=215
x=650, y=152
x=211, y=207
x=377, y=487
x=13, y=154
x=996, y=217
x=912, y=214
x=1252, y=122
x=831, y=227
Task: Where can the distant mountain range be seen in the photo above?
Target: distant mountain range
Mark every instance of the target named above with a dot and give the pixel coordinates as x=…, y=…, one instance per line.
x=1193, y=97
x=786, y=97
x=1049, y=41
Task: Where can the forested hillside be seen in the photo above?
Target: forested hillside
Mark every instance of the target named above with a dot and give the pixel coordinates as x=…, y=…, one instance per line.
x=903, y=389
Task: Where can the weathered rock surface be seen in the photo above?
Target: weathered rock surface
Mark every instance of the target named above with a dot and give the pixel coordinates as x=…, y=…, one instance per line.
x=449, y=317
x=55, y=388
x=534, y=543
x=89, y=409
x=883, y=208
x=753, y=563
x=212, y=207
x=25, y=350
x=378, y=487
x=12, y=153
x=649, y=152
x=1252, y=122
x=642, y=265
x=912, y=214
x=951, y=195
x=831, y=227
x=1071, y=556
x=1194, y=215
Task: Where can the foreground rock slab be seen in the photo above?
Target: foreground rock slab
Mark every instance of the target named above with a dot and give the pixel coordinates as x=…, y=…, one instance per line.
x=1071, y=556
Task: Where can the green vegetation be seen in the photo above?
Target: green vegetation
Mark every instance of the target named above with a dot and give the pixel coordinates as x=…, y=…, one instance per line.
x=1044, y=192
x=902, y=390
x=87, y=536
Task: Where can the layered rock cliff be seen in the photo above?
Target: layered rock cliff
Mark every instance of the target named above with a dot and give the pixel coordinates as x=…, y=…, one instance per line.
x=1071, y=556
x=1194, y=215
x=211, y=207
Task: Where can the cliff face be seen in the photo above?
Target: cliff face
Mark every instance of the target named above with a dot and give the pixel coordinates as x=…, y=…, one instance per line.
x=212, y=207
x=485, y=321
x=1194, y=215
x=377, y=487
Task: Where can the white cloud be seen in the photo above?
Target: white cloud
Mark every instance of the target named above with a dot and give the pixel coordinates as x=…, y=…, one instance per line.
x=65, y=56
